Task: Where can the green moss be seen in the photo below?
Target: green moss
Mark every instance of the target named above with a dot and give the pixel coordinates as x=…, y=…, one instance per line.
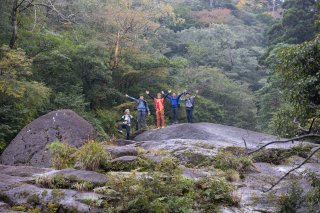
x=226, y=160
x=60, y=182
x=197, y=160
x=52, y=207
x=139, y=164
x=168, y=165
x=19, y=208
x=232, y=175
x=44, y=193
x=158, y=192
x=35, y=210
x=279, y=156
x=57, y=193
x=33, y=200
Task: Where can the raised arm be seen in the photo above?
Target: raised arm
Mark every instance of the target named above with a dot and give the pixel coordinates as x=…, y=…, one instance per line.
x=148, y=93
x=132, y=98
x=167, y=95
x=179, y=96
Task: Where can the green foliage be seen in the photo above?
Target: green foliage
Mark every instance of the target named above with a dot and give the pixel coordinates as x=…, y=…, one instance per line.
x=226, y=160
x=298, y=77
x=53, y=207
x=168, y=165
x=20, y=98
x=297, y=24
x=279, y=156
x=92, y=155
x=292, y=201
x=19, y=208
x=216, y=190
x=159, y=193
x=223, y=100
x=62, y=155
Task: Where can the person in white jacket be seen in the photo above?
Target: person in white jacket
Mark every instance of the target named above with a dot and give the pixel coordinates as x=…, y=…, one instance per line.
x=126, y=123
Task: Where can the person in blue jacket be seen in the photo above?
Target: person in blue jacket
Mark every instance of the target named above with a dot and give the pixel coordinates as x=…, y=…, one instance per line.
x=175, y=102
x=143, y=110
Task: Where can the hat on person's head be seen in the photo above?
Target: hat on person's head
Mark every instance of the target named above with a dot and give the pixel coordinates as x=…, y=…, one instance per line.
x=127, y=111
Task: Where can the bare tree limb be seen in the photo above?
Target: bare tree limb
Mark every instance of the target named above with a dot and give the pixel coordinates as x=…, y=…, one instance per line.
x=304, y=130
x=293, y=169
x=287, y=141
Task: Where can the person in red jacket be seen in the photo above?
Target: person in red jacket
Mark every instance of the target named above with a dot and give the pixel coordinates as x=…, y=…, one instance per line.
x=159, y=102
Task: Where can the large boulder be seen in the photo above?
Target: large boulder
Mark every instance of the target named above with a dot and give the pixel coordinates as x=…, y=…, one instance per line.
x=213, y=134
x=29, y=146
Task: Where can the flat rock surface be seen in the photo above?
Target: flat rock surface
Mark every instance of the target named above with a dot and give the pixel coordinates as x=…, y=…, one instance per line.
x=29, y=146
x=215, y=134
x=94, y=177
x=120, y=151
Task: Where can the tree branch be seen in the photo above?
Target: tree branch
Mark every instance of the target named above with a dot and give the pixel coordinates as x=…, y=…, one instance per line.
x=293, y=169
x=287, y=141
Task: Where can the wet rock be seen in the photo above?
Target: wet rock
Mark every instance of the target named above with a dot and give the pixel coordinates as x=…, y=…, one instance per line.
x=120, y=151
x=214, y=134
x=196, y=173
x=94, y=177
x=22, y=171
x=125, y=159
x=29, y=146
x=122, y=142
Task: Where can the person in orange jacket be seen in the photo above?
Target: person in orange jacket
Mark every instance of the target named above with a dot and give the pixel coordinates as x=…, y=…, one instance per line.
x=159, y=102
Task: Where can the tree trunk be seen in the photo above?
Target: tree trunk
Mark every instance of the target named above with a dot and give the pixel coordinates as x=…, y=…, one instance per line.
x=14, y=24
x=117, y=51
x=211, y=3
x=273, y=7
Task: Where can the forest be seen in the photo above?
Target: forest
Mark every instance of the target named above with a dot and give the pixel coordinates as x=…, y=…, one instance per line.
x=254, y=62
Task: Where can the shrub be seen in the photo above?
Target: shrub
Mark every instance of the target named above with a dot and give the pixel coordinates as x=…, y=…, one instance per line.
x=215, y=190
x=232, y=175
x=45, y=181
x=62, y=155
x=91, y=155
x=139, y=164
x=291, y=201
x=19, y=208
x=154, y=192
x=83, y=186
x=168, y=165
x=278, y=156
x=225, y=160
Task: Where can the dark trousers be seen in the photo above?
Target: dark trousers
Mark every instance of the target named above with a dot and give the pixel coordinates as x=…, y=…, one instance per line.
x=189, y=112
x=127, y=128
x=175, y=115
x=141, y=119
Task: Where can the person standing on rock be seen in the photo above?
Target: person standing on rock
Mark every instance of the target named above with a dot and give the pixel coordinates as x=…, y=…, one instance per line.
x=175, y=104
x=159, y=102
x=189, y=104
x=143, y=110
x=126, y=123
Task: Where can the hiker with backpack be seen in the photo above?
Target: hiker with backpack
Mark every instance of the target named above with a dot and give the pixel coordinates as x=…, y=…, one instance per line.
x=159, y=102
x=143, y=110
x=189, y=104
x=175, y=104
x=126, y=123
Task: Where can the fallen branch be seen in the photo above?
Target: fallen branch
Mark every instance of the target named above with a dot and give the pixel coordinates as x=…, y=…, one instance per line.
x=287, y=141
x=293, y=169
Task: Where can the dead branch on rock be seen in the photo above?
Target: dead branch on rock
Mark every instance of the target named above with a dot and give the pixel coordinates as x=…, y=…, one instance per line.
x=293, y=169
x=306, y=130
x=287, y=141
